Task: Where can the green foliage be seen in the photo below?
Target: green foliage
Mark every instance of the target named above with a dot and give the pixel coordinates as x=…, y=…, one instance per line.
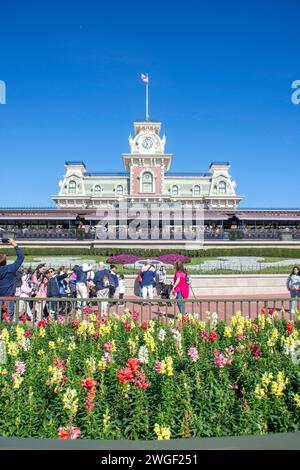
x=194, y=399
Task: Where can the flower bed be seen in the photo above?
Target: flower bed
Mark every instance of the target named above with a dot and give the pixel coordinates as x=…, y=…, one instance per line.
x=122, y=259
x=123, y=379
x=173, y=258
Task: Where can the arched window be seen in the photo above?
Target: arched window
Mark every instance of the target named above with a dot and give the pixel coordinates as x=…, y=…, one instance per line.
x=72, y=186
x=197, y=190
x=174, y=190
x=119, y=190
x=97, y=190
x=222, y=187
x=147, y=182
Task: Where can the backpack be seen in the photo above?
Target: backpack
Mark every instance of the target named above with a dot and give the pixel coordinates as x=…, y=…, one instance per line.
x=61, y=287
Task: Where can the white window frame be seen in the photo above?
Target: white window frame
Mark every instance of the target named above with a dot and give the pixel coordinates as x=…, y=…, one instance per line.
x=171, y=189
x=194, y=188
x=101, y=190
x=153, y=182
x=224, y=187
x=75, y=187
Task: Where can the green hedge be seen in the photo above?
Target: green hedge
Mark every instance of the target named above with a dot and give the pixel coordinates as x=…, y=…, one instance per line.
x=154, y=253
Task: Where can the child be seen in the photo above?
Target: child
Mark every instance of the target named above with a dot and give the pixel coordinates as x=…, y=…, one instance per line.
x=121, y=286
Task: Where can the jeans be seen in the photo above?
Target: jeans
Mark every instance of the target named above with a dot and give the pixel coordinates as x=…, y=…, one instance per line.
x=294, y=295
x=180, y=304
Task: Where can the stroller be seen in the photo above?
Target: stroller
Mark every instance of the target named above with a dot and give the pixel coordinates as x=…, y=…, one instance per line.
x=165, y=293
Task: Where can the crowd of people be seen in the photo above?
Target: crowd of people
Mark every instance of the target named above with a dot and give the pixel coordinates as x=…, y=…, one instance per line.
x=80, y=283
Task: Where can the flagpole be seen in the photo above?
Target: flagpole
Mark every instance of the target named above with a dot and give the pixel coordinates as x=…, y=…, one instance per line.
x=147, y=99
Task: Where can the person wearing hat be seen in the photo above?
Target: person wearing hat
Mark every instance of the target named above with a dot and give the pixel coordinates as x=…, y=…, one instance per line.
x=81, y=282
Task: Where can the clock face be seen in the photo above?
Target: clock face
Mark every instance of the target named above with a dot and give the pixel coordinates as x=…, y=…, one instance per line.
x=147, y=143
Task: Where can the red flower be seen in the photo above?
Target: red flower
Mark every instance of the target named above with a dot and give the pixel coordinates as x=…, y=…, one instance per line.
x=213, y=336
x=88, y=383
x=271, y=311
x=133, y=364
x=125, y=375
x=127, y=326
x=255, y=327
x=27, y=334
x=289, y=327
x=262, y=311
x=59, y=363
x=69, y=433
x=96, y=335
x=5, y=316
x=185, y=319
x=23, y=318
x=144, y=325
x=41, y=324
x=75, y=323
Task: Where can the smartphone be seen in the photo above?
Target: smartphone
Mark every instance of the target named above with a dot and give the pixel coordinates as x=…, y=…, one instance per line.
x=5, y=241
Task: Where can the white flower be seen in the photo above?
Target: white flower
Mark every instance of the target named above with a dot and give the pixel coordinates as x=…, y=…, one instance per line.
x=25, y=343
x=162, y=334
x=143, y=355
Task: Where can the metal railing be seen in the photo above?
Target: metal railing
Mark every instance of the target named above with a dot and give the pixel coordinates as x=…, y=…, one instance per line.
x=72, y=234
x=67, y=309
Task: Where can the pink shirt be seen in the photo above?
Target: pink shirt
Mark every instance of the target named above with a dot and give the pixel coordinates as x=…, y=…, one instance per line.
x=183, y=286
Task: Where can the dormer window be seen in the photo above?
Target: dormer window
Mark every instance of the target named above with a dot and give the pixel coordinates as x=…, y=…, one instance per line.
x=174, y=190
x=222, y=187
x=72, y=187
x=119, y=190
x=97, y=190
x=197, y=190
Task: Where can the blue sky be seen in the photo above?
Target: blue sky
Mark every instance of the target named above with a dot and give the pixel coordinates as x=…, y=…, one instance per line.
x=220, y=73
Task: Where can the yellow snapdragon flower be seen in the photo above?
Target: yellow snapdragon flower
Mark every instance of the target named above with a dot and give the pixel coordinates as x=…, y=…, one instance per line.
x=162, y=432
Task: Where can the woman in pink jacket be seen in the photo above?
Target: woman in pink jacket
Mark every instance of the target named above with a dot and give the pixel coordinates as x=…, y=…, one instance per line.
x=181, y=287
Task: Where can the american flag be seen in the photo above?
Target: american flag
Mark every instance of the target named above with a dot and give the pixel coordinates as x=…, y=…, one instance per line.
x=145, y=78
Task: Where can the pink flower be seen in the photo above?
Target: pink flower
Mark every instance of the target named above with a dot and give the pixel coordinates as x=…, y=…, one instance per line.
x=89, y=405
x=20, y=367
x=204, y=334
x=107, y=346
x=220, y=360
x=193, y=353
x=107, y=356
x=60, y=319
x=271, y=311
x=86, y=310
x=27, y=334
x=135, y=315
x=256, y=351
x=158, y=367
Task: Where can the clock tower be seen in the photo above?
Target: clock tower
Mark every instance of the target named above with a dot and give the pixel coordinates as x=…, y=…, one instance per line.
x=147, y=161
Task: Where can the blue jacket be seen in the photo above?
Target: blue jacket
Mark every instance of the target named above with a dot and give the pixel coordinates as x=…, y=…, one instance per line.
x=81, y=276
x=54, y=284
x=8, y=275
x=113, y=279
x=148, y=277
x=99, y=278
